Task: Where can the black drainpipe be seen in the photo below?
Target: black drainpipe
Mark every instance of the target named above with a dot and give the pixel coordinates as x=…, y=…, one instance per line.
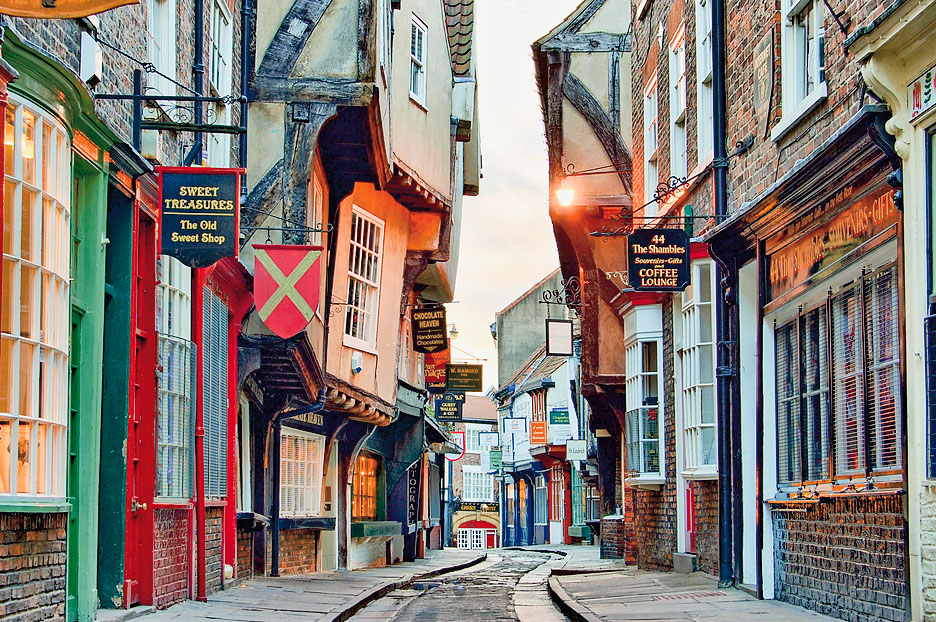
x=723, y=322
x=247, y=64
x=198, y=68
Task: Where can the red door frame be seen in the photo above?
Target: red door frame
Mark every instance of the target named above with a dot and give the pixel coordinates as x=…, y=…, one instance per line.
x=141, y=424
x=690, y=519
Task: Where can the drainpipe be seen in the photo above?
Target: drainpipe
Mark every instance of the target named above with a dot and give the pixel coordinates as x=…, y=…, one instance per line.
x=198, y=69
x=199, y=334
x=318, y=406
x=247, y=65
x=723, y=324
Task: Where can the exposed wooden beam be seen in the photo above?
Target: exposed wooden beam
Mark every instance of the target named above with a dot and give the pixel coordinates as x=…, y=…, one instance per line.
x=337, y=91
x=291, y=37
x=579, y=22
x=591, y=42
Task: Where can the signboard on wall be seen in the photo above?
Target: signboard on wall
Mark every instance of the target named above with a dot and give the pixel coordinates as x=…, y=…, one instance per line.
x=448, y=407
x=561, y=425
x=461, y=377
x=763, y=80
x=658, y=260
x=434, y=370
x=922, y=93
x=514, y=425
x=429, y=330
x=488, y=439
x=538, y=433
x=576, y=450
x=287, y=285
x=412, y=493
x=199, y=213
x=559, y=340
x=497, y=459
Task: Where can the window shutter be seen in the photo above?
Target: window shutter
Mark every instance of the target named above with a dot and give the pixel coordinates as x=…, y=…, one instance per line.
x=848, y=385
x=884, y=423
x=214, y=407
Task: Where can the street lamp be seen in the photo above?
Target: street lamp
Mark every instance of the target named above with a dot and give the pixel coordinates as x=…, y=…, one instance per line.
x=453, y=331
x=565, y=195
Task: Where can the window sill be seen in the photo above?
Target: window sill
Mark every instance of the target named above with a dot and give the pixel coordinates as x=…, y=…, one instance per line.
x=22, y=506
x=650, y=481
x=788, y=121
x=376, y=529
x=422, y=106
x=356, y=344
x=700, y=476
x=322, y=523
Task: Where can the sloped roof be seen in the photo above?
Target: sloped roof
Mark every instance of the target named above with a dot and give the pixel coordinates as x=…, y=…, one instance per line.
x=459, y=20
x=479, y=407
x=546, y=367
x=542, y=282
x=522, y=371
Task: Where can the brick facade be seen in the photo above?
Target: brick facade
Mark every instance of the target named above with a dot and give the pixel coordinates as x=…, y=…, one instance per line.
x=32, y=566
x=172, y=556
x=844, y=557
x=214, y=562
x=298, y=551
x=244, y=568
x=706, y=515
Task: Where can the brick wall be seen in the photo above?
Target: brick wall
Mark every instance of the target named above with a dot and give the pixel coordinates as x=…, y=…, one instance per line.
x=244, y=569
x=613, y=538
x=214, y=560
x=32, y=567
x=706, y=514
x=171, y=557
x=297, y=551
x=843, y=557
x=928, y=537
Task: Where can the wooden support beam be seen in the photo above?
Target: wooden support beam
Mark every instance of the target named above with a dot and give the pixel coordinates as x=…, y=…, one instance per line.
x=291, y=37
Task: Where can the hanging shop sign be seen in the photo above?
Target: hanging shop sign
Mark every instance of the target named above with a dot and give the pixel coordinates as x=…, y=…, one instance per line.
x=658, y=260
x=538, y=433
x=488, y=439
x=412, y=493
x=561, y=425
x=287, y=284
x=199, y=213
x=434, y=370
x=459, y=377
x=429, y=330
x=59, y=9
x=576, y=450
x=514, y=425
x=448, y=407
x=922, y=93
x=559, y=340
x=801, y=253
x=497, y=459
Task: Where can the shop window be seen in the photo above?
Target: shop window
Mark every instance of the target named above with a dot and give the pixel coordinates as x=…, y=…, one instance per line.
x=578, y=499
x=556, y=494
x=651, y=167
x=697, y=371
x=175, y=416
x=522, y=500
x=509, y=493
x=592, y=503
x=366, y=504
x=705, y=99
x=35, y=309
x=679, y=159
x=803, y=60
x=473, y=437
x=642, y=426
x=418, y=53
x=840, y=419
x=363, y=279
x=477, y=484
x=540, y=500
x=214, y=394
x=302, y=456
x=161, y=45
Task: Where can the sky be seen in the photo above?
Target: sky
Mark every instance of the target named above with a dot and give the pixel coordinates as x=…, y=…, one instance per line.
x=507, y=242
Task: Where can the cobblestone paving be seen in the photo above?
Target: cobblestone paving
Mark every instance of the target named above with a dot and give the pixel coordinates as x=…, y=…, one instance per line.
x=508, y=584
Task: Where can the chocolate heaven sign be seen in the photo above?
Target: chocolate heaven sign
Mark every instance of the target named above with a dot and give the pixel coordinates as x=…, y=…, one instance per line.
x=199, y=211
x=658, y=260
x=429, y=330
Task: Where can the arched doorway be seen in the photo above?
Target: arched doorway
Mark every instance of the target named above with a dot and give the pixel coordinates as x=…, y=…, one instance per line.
x=477, y=534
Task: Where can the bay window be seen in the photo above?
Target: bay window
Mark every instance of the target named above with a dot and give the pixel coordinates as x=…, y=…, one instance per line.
x=838, y=387
x=35, y=315
x=364, y=265
x=478, y=485
x=643, y=428
x=302, y=457
x=540, y=499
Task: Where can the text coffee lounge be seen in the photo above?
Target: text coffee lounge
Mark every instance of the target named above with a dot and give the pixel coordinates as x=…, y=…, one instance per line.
x=820, y=353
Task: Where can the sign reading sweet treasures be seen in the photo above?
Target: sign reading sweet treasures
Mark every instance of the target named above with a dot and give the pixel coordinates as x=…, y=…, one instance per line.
x=658, y=260
x=199, y=211
x=801, y=253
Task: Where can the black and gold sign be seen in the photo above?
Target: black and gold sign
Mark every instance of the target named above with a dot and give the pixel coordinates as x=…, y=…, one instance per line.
x=199, y=211
x=460, y=377
x=658, y=260
x=429, y=326
x=448, y=407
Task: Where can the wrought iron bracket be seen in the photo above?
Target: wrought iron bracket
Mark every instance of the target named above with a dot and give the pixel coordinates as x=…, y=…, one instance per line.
x=569, y=295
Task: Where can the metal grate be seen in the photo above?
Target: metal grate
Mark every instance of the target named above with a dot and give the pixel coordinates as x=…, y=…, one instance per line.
x=214, y=393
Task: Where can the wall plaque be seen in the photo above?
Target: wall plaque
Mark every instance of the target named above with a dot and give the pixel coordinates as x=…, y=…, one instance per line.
x=658, y=260
x=199, y=211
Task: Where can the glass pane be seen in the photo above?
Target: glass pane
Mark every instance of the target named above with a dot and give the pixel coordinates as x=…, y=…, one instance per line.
x=705, y=283
x=27, y=354
x=5, y=439
x=24, y=458
x=6, y=375
x=6, y=298
x=27, y=302
x=40, y=461
x=705, y=324
x=709, y=453
x=28, y=227
x=708, y=404
x=9, y=141
x=9, y=196
x=649, y=356
x=706, y=373
x=48, y=234
x=46, y=315
x=46, y=150
x=29, y=147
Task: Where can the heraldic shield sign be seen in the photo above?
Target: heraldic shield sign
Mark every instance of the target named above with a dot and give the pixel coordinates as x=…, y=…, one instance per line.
x=287, y=283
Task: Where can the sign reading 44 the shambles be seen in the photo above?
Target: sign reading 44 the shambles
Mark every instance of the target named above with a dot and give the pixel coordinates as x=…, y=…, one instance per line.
x=199, y=213
x=658, y=260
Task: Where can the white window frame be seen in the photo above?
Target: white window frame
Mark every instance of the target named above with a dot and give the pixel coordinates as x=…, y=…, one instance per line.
x=161, y=45
x=368, y=301
x=695, y=373
x=473, y=437
x=802, y=56
x=679, y=146
x=301, y=480
x=477, y=484
x=541, y=499
x=638, y=430
x=36, y=319
x=705, y=93
x=418, y=61
x=221, y=58
x=651, y=110
x=244, y=468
